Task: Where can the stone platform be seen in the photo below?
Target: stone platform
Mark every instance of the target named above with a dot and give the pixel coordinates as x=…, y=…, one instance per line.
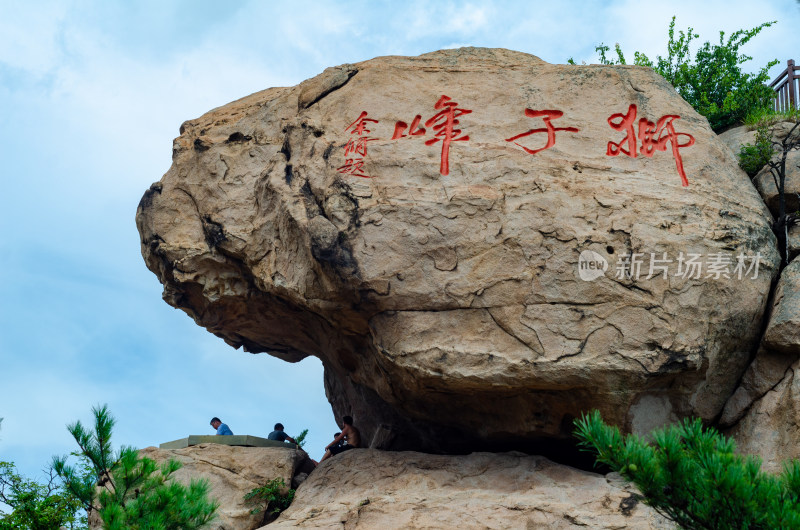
x=244, y=440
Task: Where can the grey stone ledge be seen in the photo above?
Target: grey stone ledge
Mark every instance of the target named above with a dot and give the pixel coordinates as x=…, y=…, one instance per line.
x=242, y=440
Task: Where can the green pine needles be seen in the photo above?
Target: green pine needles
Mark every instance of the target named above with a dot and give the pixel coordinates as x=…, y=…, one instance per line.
x=694, y=477
x=300, y=439
x=129, y=492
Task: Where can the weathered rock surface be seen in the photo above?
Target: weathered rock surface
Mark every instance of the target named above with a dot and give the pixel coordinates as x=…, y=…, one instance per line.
x=783, y=330
x=766, y=371
x=766, y=404
x=780, y=348
x=376, y=489
x=771, y=426
x=449, y=309
x=736, y=137
x=794, y=242
x=232, y=472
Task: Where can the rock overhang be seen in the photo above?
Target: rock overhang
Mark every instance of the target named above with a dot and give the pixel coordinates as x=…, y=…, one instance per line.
x=419, y=224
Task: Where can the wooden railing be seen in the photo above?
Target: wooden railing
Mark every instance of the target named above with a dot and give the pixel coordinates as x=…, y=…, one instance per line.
x=785, y=87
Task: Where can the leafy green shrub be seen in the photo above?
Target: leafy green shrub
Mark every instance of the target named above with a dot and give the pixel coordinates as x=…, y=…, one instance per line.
x=134, y=493
x=694, y=477
x=769, y=117
x=271, y=498
x=713, y=82
x=753, y=157
x=37, y=506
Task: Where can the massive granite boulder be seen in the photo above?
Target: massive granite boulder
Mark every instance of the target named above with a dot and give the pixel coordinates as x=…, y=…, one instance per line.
x=479, y=245
x=378, y=489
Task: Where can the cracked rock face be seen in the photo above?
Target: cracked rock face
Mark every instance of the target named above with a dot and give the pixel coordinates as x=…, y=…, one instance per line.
x=783, y=331
x=434, y=266
x=764, y=412
x=770, y=428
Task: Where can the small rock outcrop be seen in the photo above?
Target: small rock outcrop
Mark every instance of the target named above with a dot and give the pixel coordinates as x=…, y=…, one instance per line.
x=771, y=427
x=765, y=183
x=477, y=244
x=232, y=472
x=766, y=371
x=779, y=349
x=764, y=412
x=737, y=137
x=783, y=331
x=374, y=489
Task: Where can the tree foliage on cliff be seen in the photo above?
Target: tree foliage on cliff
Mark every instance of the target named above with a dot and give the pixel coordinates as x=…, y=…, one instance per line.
x=780, y=148
x=37, y=506
x=753, y=157
x=694, y=477
x=129, y=492
x=300, y=439
x=713, y=81
x=272, y=498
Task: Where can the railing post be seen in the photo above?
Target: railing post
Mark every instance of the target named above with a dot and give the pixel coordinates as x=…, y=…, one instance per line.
x=791, y=81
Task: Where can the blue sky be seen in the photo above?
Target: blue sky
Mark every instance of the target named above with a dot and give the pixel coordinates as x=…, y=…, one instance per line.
x=91, y=96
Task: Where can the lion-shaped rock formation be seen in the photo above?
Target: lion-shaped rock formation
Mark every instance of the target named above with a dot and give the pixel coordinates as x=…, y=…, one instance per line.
x=477, y=244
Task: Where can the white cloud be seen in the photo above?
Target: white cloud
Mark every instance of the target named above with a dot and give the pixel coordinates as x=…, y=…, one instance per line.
x=442, y=19
x=30, y=34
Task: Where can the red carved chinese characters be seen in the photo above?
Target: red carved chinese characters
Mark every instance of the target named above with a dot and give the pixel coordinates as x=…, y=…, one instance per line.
x=444, y=125
x=625, y=124
x=445, y=128
x=360, y=125
x=546, y=116
x=357, y=146
x=641, y=137
x=653, y=137
x=401, y=126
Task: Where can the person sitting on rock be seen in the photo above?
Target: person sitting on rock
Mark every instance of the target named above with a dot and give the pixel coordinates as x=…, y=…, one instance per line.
x=349, y=434
x=222, y=429
x=279, y=435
